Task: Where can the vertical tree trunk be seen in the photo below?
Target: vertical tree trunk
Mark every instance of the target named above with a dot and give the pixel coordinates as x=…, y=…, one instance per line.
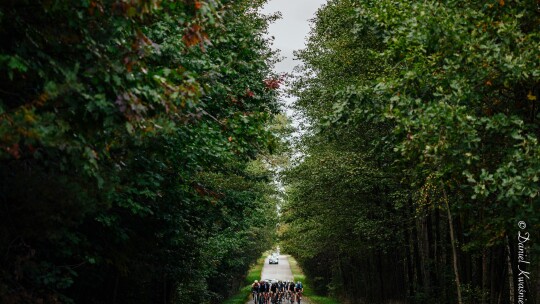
x=422, y=244
x=409, y=265
x=432, y=254
x=426, y=243
x=538, y=284
x=115, y=292
x=464, y=259
x=412, y=248
x=500, y=275
x=500, y=294
x=416, y=253
x=493, y=277
x=442, y=241
x=164, y=288
x=383, y=296
x=484, y=276
x=453, y=242
x=510, y=272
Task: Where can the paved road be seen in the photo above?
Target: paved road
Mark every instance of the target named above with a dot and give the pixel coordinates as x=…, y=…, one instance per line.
x=281, y=271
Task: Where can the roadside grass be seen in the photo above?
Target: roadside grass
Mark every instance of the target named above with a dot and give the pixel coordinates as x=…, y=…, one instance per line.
x=308, y=292
x=254, y=274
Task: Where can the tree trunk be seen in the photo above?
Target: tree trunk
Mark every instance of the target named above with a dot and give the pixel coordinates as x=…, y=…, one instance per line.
x=484, y=276
x=493, y=277
x=426, y=243
x=417, y=260
x=115, y=291
x=164, y=288
x=510, y=273
x=453, y=241
x=538, y=284
x=409, y=265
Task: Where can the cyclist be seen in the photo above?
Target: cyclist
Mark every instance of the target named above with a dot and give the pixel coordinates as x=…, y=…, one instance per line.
x=261, y=292
x=298, y=289
x=281, y=290
x=265, y=288
x=255, y=290
x=273, y=290
x=290, y=286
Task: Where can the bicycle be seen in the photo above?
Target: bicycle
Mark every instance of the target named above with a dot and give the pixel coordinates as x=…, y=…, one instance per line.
x=276, y=299
x=298, y=297
x=264, y=298
x=281, y=297
x=255, y=297
x=289, y=297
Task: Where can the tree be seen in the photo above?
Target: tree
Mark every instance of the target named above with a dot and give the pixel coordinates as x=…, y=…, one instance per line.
x=130, y=133
x=440, y=99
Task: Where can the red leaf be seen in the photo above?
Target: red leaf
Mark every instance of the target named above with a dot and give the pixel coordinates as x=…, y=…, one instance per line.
x=14, y=151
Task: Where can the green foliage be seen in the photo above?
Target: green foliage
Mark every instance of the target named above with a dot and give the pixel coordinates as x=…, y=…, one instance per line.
x=308, y=292
x=412, y=105
x=253, y=274
x=130, y=133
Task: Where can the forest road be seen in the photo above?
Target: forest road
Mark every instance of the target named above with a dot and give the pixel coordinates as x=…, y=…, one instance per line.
x=281, y=271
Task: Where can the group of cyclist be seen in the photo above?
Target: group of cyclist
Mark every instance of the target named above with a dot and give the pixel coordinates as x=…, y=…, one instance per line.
x=266, y=292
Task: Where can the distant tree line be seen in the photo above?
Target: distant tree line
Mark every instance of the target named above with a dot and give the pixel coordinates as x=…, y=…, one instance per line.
x=422, y=152
x=130, y=136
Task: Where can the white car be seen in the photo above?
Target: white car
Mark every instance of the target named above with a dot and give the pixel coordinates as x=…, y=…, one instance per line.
x=273, y=260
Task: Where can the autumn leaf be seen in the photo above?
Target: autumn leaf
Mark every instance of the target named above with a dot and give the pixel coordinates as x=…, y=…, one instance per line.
x=195, y=35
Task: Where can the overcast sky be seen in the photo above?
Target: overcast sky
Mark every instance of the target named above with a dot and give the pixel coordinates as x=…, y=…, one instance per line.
x=291, y=30
x=290, y=33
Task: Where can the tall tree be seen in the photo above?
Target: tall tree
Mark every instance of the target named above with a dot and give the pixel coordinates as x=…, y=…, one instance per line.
x=130, y=133
x=439, y=101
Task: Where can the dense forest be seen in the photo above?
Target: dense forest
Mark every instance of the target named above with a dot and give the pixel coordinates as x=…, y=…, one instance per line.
x=132, y=136
x=143, y=150
x=420, y=164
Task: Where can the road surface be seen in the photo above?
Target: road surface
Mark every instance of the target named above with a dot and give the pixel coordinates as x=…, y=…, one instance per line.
x=281, y=271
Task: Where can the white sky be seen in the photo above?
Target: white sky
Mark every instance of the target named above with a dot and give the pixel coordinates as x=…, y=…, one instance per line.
x=290, y=33
x=291, y=30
